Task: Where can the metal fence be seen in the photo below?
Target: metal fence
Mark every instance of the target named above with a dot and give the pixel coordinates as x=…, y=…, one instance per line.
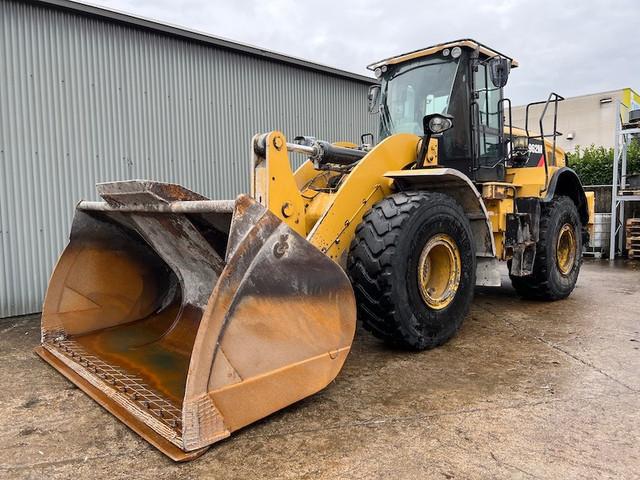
x=84, y=99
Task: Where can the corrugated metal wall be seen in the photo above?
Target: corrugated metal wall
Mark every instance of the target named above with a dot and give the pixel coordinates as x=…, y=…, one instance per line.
x=84, y=100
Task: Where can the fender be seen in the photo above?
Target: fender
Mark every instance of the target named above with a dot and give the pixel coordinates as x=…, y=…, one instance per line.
x=565, y=181
x=457, y=185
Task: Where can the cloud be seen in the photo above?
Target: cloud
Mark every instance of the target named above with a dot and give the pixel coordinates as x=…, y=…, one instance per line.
x=571, y=47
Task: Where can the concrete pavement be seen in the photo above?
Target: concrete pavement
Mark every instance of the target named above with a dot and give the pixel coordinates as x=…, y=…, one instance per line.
x=526, y=390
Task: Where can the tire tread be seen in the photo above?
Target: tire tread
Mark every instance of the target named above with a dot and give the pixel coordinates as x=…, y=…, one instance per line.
x=537, y=286
x=370, y=264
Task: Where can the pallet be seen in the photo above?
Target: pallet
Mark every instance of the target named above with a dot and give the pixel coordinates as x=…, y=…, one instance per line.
x=632, y=231
x=633, y=254
x=633, y=243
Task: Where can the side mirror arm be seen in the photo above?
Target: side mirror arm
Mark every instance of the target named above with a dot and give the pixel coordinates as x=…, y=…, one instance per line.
x=424, y=148
x=434, y=124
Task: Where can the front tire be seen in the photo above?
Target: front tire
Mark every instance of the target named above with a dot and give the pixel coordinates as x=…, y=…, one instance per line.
x=412, y=265
x=558, y=254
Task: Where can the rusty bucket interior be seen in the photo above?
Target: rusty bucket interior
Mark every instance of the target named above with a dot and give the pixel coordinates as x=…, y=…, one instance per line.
x=188, y=318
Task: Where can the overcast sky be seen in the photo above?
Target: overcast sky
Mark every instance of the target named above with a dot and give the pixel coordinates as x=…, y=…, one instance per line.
x=569, y=46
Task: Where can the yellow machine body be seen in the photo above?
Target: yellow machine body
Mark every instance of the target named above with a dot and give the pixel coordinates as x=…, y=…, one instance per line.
x=189, y=318
x=139, y=343
x=328, y=216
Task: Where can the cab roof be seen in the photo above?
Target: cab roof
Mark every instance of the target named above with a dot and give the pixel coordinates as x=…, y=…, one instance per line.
x=423, y=52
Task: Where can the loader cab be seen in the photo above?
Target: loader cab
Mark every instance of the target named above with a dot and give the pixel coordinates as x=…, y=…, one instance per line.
x=463, y=79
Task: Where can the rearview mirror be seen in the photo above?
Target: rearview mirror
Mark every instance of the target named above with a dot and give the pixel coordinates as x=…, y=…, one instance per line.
x=373, y=98
x=499, y=68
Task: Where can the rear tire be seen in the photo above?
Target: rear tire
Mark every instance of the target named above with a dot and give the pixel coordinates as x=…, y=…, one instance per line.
x=399, y=247
x=554, y=273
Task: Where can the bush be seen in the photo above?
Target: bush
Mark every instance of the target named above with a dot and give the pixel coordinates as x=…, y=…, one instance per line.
x=594, y=165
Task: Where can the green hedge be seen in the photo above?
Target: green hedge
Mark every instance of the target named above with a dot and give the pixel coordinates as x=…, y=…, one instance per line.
x=594, y=165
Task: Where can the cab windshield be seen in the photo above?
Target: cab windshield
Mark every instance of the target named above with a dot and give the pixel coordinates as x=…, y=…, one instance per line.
x=413, y=91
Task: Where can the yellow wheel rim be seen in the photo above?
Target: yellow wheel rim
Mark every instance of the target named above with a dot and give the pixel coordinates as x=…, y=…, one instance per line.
x=566, y=249
x=439, y=270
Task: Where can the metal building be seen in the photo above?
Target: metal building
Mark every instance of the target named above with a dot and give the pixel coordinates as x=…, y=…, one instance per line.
x=88, y=94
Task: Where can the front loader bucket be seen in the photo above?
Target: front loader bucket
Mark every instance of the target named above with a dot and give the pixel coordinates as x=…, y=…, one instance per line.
x=188, y=318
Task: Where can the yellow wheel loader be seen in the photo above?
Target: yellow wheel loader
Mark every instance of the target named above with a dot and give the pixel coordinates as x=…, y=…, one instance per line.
x=189, y=318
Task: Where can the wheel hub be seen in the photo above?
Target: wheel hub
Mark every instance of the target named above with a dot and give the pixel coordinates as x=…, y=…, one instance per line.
x=566, y=249
x=439, y=269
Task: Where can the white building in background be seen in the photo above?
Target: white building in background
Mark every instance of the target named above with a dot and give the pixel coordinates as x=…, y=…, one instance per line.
x=583, y=120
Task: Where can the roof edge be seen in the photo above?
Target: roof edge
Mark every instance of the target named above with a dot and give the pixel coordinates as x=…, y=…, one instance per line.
x=195, y=36
x=425, y=51
x=584, y=95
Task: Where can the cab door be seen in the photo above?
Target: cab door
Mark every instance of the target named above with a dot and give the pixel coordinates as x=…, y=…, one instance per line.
x=488, y=127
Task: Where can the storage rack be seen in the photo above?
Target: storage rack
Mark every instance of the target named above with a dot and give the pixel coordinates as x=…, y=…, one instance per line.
x=620, y=193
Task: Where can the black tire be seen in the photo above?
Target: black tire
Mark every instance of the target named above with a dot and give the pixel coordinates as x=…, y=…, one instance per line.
x=383, y=267
x=547, y=282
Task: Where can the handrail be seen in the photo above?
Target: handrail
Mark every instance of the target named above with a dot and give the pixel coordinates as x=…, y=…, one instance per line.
x=474, y=112
x=555, y=98
x=501, y=103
